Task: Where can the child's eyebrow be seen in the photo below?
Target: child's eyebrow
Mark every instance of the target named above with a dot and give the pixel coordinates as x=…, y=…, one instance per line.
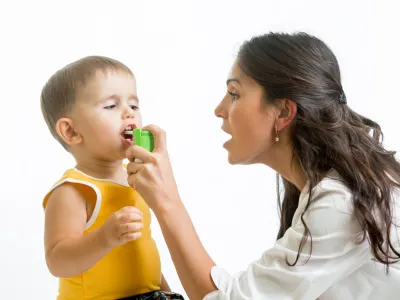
x=133, y=96
x=117, y=97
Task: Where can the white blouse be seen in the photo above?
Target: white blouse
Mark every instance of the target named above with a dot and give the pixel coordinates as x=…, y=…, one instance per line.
x=338, y=268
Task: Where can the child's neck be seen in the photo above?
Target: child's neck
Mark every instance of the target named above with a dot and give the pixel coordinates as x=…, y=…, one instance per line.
x=103, y=170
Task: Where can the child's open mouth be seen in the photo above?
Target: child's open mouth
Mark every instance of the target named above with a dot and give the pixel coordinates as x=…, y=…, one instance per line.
x=127, y=134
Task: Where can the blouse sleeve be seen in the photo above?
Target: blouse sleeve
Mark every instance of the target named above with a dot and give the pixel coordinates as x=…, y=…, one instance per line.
x=336, y=253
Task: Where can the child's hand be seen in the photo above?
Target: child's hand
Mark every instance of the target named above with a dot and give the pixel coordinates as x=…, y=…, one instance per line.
x=123, y=226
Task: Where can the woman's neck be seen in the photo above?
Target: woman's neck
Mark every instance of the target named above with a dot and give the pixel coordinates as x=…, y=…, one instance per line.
x=285, y=162
x=296, y=175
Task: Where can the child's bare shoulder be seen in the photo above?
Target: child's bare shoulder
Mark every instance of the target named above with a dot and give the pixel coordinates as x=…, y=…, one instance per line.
x=72, y=193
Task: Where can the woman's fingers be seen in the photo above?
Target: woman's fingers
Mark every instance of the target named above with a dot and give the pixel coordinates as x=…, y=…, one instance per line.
x=160, y=140
x=140, y=153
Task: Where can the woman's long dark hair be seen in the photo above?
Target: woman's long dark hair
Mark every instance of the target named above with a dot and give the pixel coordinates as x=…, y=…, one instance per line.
x=326, y=134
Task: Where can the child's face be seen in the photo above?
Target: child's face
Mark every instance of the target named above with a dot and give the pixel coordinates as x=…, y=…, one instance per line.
x=105, y=107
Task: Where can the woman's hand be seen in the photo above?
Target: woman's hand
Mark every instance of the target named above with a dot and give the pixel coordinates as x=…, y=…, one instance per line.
x=153, y=178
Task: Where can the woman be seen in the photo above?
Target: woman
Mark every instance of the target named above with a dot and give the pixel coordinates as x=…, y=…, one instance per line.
x=285, y=108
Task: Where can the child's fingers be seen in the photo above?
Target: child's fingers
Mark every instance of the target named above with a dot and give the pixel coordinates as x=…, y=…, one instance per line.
x=129, y=217
x=128, y=214
x=130, y=209
x=129, y=227
x=130, y=236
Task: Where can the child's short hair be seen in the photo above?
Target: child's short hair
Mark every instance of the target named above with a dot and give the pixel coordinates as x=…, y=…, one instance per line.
x=59, y=93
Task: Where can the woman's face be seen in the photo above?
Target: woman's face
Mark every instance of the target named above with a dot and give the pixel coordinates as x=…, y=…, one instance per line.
x=247, y=118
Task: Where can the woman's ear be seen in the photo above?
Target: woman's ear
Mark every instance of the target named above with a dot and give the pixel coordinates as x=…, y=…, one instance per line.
x=65, y=129
x=287, y=110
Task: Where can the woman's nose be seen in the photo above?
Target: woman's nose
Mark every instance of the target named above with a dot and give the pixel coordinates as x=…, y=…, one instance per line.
x=220, y=110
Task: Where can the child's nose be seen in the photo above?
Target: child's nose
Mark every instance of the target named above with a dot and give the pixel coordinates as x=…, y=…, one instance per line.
x=128, y=113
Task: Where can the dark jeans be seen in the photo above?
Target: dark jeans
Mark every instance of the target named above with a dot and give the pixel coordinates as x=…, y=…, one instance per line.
x=156, y=295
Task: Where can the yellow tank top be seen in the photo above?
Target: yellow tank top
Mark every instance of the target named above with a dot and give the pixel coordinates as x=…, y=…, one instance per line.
x=127, y=270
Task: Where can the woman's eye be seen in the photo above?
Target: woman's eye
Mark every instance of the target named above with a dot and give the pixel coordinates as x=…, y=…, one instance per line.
x=110, y=106
x=234, y=96
x=134, y=107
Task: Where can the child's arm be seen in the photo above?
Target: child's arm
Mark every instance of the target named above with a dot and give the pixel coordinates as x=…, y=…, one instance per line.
x=164, y=284
x=68, y=251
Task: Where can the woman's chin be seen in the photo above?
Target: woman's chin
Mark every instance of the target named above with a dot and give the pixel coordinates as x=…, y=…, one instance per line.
x=232, y=161
x=235, y=159
x=243, y=158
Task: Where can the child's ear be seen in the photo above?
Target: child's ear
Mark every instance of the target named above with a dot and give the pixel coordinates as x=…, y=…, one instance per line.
x=66, y=130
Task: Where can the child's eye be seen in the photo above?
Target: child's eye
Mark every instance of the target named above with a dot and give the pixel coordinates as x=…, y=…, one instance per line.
x=234, y=96
x=134, y=107
x=110, y=106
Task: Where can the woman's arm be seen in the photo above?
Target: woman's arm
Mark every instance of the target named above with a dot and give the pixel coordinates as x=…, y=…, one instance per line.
x=191, y=260
x=334, y=230
x=334, y=256
x=164, y=286
x=155, y=182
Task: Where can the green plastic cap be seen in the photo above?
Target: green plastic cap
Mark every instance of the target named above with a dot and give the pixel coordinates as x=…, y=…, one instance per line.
x=143, y=139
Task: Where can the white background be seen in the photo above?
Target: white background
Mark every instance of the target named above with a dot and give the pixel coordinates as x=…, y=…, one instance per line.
x=181, y=53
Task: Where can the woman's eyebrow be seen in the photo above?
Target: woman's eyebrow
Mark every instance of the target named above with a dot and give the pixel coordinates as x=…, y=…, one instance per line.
x=232, y=80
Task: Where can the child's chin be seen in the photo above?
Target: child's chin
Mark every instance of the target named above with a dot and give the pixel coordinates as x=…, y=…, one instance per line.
x=121, y=154
x=126, y=142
